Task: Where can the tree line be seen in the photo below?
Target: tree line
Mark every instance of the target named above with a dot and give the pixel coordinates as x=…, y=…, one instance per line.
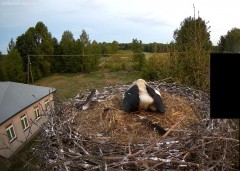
x=188, y=60
x=44, y=54
x=47, y=55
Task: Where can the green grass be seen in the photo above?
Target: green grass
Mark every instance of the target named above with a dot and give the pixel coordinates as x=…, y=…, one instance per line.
x=148, y=55
x=69, y=85
x=115, y=69
x=125, y=52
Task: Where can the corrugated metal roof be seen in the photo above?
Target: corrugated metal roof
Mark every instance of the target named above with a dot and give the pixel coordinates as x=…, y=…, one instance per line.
x=15, y=97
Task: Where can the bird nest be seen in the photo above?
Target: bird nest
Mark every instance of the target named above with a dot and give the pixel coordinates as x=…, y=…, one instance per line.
x=106, y=120
x=104, y=137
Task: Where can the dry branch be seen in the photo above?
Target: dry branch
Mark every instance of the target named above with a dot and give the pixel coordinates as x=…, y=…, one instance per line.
x=103, y=137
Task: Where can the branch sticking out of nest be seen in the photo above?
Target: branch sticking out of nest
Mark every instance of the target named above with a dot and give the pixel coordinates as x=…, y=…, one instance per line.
x=152, y=125
x=86, y=104
x=205, y=145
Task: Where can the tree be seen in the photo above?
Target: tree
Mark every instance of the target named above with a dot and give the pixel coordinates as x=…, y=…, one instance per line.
x=13, y=66
x=55, y=61
x=26, y=45
x=193, y=44
x=86, y=50
x=193, y=34
x=11, y=45
x=68, y=47
x=137, y=46
x=222, y=43
x=44, y=44
x=154, y=47
x=87, y=59
x=106, y=48
x=231, y=41
x=84, y=40
x=96, y=51
x=43, y=39
x=36, y=41
x=115, y=46
x=67, y=43
x=138, y=55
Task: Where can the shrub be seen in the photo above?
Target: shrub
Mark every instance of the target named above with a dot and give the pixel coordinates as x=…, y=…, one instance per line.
x=186, y=68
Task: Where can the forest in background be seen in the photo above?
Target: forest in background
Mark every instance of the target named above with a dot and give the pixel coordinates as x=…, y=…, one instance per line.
x=36, y=54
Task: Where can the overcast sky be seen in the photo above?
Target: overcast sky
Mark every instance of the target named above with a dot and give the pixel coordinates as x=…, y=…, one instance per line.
x=120, y=20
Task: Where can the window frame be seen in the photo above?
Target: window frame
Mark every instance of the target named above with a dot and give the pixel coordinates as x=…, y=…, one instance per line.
x=24, y=121
x=37, y=113
x=47, y=104
x=11, y=134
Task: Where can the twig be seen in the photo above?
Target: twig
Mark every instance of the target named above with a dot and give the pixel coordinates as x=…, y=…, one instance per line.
x=83, y=149
x=175, y=125
x=221, y=138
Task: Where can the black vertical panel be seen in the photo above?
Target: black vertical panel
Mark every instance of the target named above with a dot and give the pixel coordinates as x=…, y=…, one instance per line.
x=224, y=85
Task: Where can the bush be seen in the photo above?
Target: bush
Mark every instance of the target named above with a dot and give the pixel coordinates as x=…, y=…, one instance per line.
x=156, y=67
x=141, y=61
x=189, y=69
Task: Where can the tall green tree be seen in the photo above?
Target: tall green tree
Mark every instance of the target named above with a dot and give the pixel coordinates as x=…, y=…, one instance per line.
x=138, y=55
x=26, y=45
x=84, y=40
x=96, y=51
x=193, y=44
x=67, y=43
x=137, y=46
x=13, y=66
x=56, y=60
x=45, y=46
x=193, y=34
x=36, y=41
x=68, y=47
x=231, y=41
x=87, y=59
x=11, y=45
x=43, y=39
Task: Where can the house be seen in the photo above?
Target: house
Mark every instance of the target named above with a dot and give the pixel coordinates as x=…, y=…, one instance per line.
x=22, y=111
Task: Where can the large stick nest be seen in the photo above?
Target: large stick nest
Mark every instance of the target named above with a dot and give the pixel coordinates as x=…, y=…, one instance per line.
x=104, y=137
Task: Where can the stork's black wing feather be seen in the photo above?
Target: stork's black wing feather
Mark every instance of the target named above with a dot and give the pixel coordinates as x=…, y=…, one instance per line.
x=158, y=102
x=131, y=99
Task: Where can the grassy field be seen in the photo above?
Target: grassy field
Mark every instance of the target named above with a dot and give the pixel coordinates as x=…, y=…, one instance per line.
x=115, y=69
x=111, y=71
x=69, y=85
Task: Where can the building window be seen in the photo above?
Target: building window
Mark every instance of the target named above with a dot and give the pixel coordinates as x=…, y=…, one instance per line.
x=46, y=105
x=37, y=113
x=24, y=122
x=10, y=133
